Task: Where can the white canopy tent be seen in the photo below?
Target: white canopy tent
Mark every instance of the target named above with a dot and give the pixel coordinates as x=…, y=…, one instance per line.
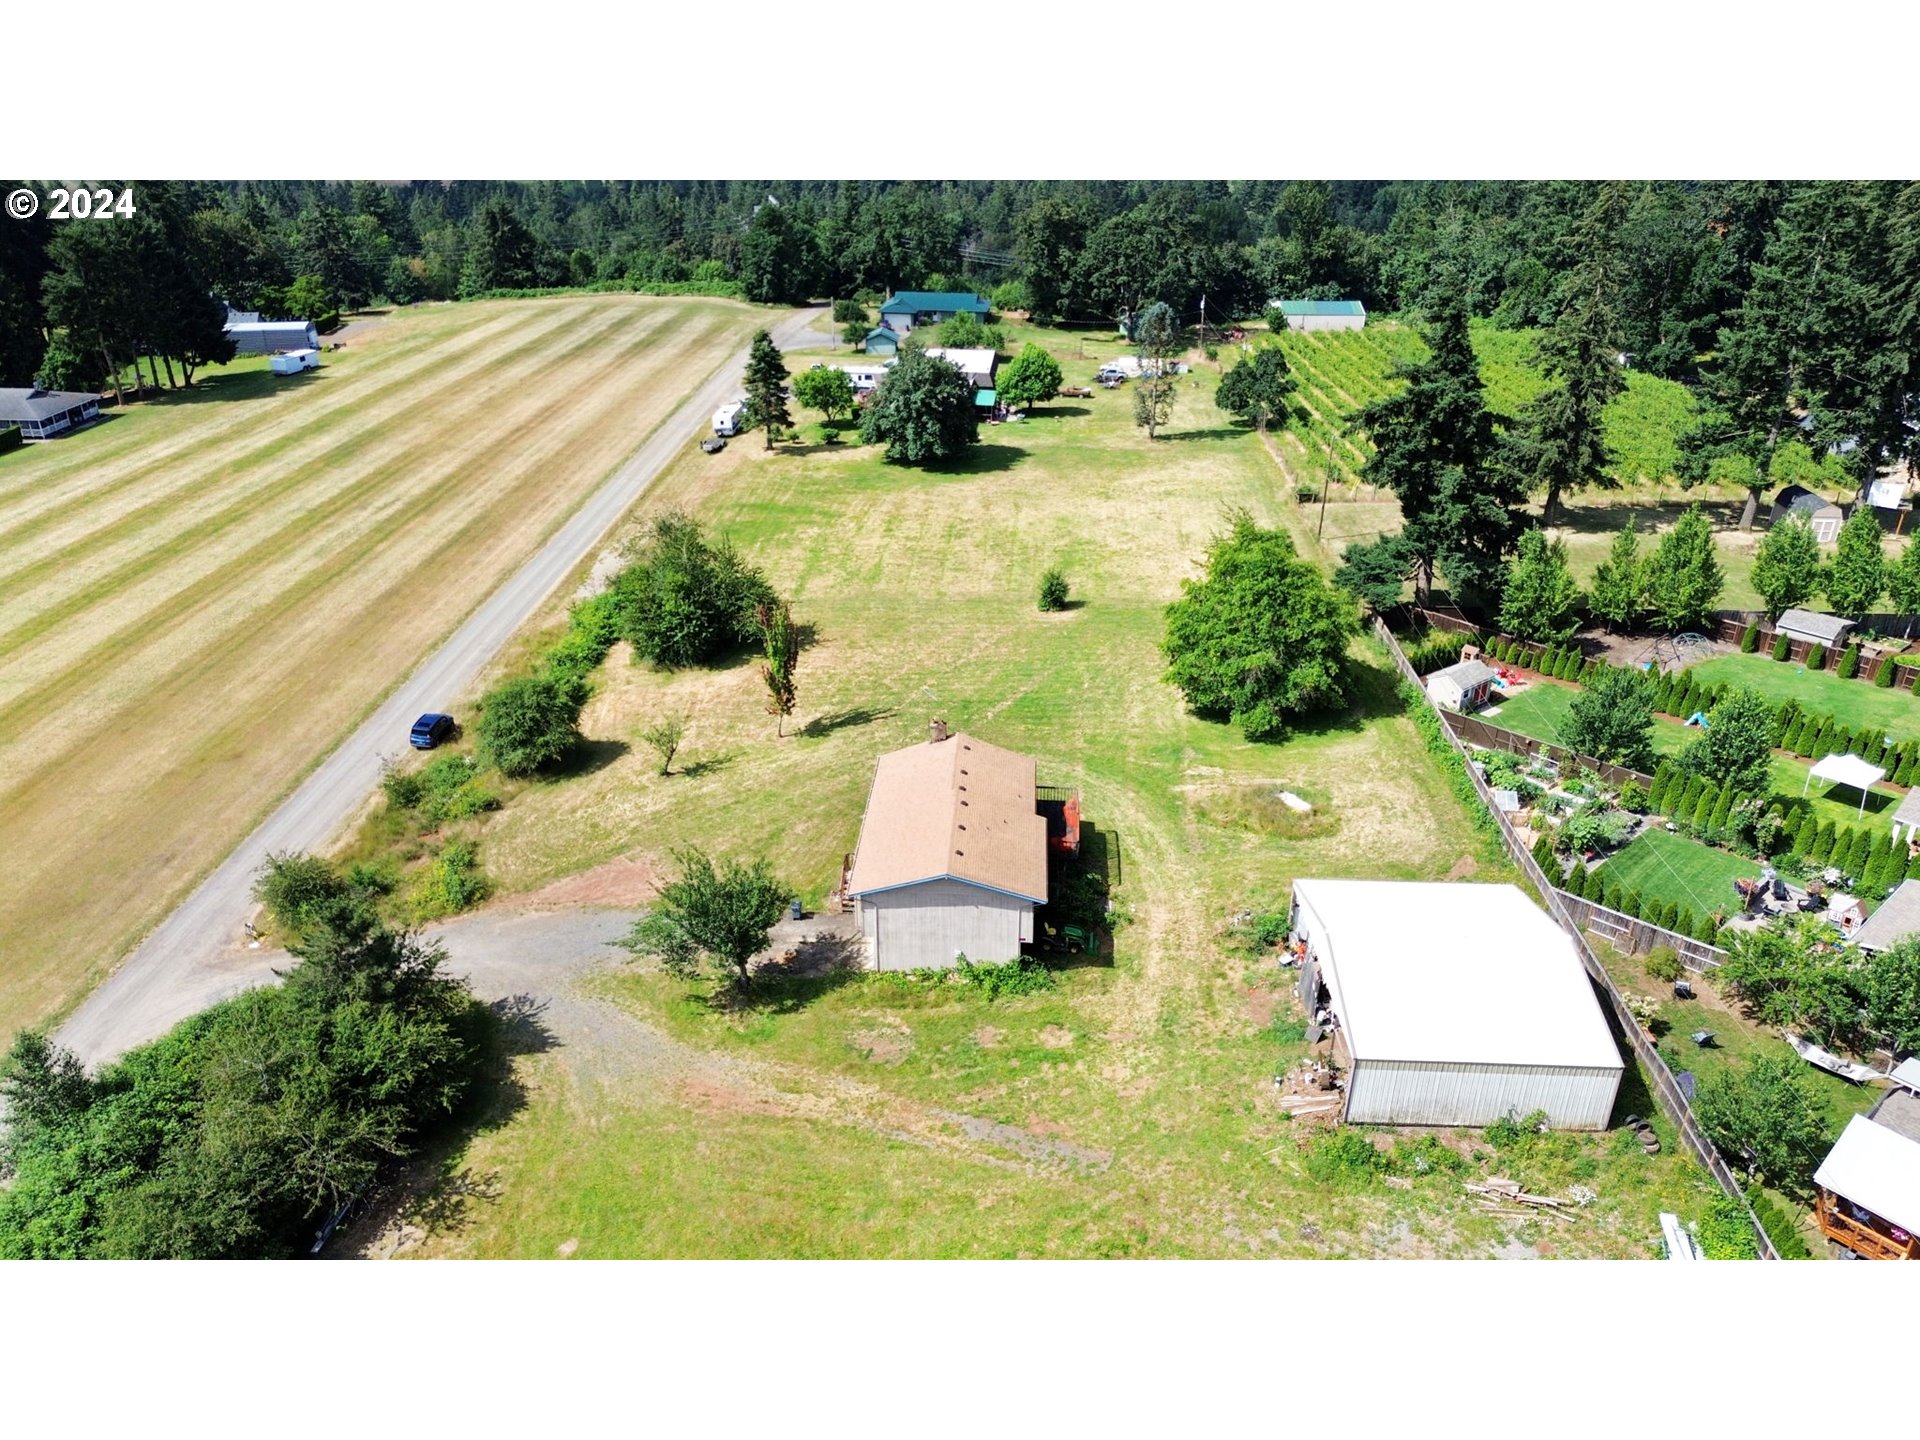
x=1846, y=770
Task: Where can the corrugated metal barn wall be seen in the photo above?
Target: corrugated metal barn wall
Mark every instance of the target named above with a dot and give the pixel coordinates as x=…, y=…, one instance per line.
x=1407, y=1092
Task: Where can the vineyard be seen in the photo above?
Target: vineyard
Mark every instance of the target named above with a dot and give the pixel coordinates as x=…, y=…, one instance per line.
x=1340, y=372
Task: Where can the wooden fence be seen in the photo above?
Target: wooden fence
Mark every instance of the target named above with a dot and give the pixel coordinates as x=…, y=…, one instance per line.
x=1625, y=1026
x=1492, y=737
x=1732, y=628
x=1637, y=937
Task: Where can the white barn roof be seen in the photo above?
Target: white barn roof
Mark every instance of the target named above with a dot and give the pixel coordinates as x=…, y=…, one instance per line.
x=1876, y=1168
x=1455, y=974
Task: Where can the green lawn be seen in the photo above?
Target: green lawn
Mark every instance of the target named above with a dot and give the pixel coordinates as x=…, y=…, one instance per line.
x=1852, y=703
x=1673, y=868
x=1540, y=711
x=1736, y=1039
x=920, y=589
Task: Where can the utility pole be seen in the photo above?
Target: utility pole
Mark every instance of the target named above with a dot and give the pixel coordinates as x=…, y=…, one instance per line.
x=1326, y=484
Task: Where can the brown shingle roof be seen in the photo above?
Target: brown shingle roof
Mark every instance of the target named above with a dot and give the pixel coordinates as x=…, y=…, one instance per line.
x=957, y=809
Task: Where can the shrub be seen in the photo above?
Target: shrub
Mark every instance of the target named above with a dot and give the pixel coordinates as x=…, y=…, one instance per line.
x=1849, y=663
x=1750, y=639
x=1343, y=1156
x=1724, y=1231
x=1883, y=677
x=530, y=723
x=683, y=599
x=1817, y=657
x=1633, y=798
x=455, y=882
x=1053, y=590
x=1706, y=931
x=1781, y=645
x=1023, y=976
x=1779, y=1226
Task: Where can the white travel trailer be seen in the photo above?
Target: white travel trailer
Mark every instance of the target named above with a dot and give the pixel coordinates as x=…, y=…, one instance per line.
x=294, y=361
x=728, y=419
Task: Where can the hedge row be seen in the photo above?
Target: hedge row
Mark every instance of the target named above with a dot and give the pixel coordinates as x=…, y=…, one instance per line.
x=1594, y=886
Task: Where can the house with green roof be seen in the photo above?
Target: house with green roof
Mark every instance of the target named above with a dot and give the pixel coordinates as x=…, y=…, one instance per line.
x=908, y=308
x=1322, y=314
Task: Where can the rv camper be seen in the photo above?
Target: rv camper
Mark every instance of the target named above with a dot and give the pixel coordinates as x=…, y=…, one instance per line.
x=729, y=417
x=294, y=361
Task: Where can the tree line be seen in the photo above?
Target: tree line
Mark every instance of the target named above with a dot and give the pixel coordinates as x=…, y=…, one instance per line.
x=1794, y=305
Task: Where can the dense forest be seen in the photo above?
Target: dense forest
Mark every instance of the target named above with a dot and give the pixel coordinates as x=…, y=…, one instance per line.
x=1794, y=307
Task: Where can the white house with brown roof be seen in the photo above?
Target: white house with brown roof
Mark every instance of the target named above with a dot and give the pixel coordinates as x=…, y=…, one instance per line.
x=952, y=857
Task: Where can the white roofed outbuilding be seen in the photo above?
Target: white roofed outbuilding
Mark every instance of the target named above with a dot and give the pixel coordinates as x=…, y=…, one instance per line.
x=1454, y=1004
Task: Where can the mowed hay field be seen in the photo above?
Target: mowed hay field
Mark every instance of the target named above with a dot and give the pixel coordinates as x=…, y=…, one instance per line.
x=1129, y=1111
x=200, y=594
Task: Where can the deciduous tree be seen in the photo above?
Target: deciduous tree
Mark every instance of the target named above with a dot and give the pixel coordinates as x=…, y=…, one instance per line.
x=1620, y=583
x=1786, y=567
x=1684, y=577
x=1736, y=749
x=663, y=737
x=1857, y=577
x=531, y=722
x=1031, y=377
x=1256, y=388
x=1262, y=638
x=1157, y=340
x=1612, y=720
x=1540, y=600
x=711, y=914
x=1763, y=1114
x=780, y=640
x=826, y=388
x=922, y=411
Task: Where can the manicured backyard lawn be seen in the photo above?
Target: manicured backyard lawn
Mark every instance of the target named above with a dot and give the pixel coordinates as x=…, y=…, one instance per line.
x=1851, y=702
x=1667, y=867
x=1540, y=711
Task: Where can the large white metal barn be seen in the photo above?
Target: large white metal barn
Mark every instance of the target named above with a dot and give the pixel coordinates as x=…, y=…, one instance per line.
x=1453, y=1004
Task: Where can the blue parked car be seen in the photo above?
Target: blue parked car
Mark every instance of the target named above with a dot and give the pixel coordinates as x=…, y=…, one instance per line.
x=430, y=730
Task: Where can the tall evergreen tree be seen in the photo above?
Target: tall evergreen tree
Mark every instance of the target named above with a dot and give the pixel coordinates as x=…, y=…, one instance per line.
x=1560, y=445
x=1433, y=441
x=767, y=387
x=1792, y=356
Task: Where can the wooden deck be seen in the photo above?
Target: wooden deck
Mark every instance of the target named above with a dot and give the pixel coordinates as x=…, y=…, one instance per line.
x=1870, y=1241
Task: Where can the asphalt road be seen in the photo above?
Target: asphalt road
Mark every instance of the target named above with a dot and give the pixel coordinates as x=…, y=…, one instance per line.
x=199, y=954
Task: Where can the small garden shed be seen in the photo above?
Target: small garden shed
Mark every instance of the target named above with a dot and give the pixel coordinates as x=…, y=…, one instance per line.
x=1464, y=687
x=1822, y=514
x=1814, y=627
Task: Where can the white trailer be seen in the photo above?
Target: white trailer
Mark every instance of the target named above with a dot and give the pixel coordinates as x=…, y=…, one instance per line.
x=729, y=417
x=294, y=361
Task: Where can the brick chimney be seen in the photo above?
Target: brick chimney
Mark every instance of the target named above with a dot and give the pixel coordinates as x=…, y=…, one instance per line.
x=936, y=731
